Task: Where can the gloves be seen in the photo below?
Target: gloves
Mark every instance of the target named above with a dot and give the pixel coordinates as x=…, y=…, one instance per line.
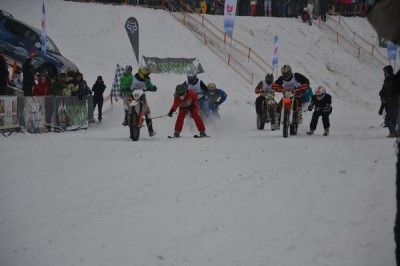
x=310, y=108
x=170, y=112
x=380, y=112
x=154, y=88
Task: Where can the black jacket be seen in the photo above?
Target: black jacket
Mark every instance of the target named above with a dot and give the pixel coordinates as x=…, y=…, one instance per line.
x=389, y=95
x=98, y=90
x=324, y=105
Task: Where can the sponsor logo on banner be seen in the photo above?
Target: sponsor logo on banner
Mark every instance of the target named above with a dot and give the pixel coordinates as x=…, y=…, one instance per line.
x=173, y=65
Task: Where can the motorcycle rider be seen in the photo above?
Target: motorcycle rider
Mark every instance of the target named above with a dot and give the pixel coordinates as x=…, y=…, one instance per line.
x=264, y=86
x=322, y=102
x=215, y=98
x=296, y=81
x=141, y=81
x=200, y=88
x=186, y=100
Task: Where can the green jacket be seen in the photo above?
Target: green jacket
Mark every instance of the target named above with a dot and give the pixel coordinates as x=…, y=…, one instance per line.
x=126, y=83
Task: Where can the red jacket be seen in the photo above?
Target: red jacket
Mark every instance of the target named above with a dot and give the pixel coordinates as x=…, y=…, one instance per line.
x=189, y=100
x=41, y=90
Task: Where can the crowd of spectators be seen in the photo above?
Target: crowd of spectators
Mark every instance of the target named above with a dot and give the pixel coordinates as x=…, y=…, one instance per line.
x=274, y=8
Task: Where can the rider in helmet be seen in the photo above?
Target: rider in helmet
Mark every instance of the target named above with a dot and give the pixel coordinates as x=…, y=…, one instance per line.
x=322, y=103
x=263, y=87
x=215, y=98
x=186, y=100
x=141, y=81
x=293, y=81
x=198, y=86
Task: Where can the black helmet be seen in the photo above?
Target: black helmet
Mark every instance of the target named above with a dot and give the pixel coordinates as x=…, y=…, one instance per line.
x=388, y=70
x=180, y=90
x=191, y=76
x=286, y=71
x=269, y=78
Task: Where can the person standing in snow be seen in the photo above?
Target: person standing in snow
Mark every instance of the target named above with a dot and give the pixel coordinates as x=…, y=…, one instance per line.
x=306, y=17
x=28, y=73
x=390, y=99
x=322, y=103
x=186, y=100
x=98, y=90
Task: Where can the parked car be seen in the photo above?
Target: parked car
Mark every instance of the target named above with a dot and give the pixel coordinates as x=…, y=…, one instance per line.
x=19, y=41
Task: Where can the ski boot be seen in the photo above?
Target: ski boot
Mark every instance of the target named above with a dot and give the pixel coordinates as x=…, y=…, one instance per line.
x=310, y=132
x=326, y=132
x=149, y=124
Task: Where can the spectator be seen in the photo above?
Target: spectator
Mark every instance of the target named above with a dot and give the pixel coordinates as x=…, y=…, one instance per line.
x=305, y=17
x=389, y=97
x=253, y=7
x=59, y=85
x=323, y=7
x=28, y=72
x=267, y=8
x=203, y=6
x=17, y=79
x=82, y=88
x=4, y=74
x=98, y=90
x=42, y=88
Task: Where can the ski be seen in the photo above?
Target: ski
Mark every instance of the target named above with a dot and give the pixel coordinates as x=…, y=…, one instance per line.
x=172, y=137
x=199, y=137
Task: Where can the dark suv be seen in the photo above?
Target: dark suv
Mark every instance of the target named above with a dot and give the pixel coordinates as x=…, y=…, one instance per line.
x=20, y=41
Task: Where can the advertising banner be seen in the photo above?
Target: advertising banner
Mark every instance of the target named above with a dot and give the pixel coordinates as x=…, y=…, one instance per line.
x=173, y=65
x=229, y=16
x=8, y=112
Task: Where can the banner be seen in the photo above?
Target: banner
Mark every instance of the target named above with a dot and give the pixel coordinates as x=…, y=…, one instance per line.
x=34, y=114
x=8, y=112
x=229, y=16
x=276, y=54
x=173, y=65
x=43, y=28
x=71, y=113
x=132, y=28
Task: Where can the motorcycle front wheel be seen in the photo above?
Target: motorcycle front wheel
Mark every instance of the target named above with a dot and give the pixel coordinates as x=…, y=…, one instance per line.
x=133, y=126
x=285, y=125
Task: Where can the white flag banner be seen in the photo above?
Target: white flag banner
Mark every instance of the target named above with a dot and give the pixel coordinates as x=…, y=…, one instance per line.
x=229, y=16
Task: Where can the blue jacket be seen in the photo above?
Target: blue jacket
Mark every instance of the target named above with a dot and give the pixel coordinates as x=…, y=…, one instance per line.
x=217, y=98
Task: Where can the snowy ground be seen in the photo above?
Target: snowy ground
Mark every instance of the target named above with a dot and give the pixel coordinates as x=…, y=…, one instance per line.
x=240, y=197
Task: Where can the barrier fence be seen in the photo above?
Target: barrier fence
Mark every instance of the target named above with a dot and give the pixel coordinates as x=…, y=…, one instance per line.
x=40, y=114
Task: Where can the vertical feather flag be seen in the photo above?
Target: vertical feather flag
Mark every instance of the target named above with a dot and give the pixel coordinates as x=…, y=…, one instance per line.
x=43, y=28
x=275, y=56
x=229, y=16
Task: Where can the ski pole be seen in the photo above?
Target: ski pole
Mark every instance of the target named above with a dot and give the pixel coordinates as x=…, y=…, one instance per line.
x=159, y=116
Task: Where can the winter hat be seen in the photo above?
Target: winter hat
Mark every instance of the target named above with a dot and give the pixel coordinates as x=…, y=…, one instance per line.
x=99, y=78
x=128, y=68
x=388, y=70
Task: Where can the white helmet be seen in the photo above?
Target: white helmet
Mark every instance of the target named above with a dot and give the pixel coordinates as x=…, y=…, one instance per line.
x=320, y=92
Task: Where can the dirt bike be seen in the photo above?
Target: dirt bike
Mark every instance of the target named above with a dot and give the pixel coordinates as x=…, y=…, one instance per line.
x=136, y=113
x=268, y=110
x=289, y=111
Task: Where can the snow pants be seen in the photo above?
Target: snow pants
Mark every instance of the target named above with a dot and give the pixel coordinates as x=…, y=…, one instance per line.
x=315, y=117
x=194, y=112
x=391, y=118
